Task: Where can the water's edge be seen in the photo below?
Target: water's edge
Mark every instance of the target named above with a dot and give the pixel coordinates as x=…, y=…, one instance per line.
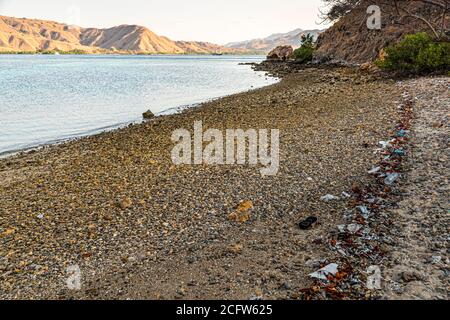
x=118, y=126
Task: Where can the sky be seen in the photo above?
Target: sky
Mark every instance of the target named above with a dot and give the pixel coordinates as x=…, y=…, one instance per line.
x=201, y=20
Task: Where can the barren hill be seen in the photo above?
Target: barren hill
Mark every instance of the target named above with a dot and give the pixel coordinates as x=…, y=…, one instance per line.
x=349, y=40
x=33, y=35
x=264, y=45
x=38, y=35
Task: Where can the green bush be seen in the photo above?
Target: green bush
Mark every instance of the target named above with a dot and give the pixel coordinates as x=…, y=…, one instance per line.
x=305, y=53
x=417, y=53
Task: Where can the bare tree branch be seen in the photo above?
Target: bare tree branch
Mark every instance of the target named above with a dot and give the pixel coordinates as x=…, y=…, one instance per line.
x=434, y=18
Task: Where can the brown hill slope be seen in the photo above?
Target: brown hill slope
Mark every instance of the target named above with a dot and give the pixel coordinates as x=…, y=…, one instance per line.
x=349, y=40
x=37, y=35
x=128, y=38
x=205, y=47
x=33, y=35
x=265, y=45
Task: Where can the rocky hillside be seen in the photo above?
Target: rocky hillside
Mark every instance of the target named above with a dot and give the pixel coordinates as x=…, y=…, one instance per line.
x=350, y=41
x=279, y=39
x=128, y=38
x=37, y=35
x=205, y=47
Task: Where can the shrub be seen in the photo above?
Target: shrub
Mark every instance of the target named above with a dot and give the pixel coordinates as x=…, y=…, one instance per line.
x=305, y=53
x=417, y=53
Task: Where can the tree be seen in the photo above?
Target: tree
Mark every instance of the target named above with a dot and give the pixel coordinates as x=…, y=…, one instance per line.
x=305, y=53
x=336, y=9
x=433, y=13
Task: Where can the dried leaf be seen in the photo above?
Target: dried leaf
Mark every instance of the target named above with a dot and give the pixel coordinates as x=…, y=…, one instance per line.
x=8, y=232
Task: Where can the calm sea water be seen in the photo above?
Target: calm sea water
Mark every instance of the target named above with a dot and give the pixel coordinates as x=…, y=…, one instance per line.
x=45, y=99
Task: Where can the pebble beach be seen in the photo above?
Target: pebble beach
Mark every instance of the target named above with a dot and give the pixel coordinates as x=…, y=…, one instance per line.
x=140, y=227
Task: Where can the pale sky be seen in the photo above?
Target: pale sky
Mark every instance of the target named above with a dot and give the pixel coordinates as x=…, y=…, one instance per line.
x=201, y=20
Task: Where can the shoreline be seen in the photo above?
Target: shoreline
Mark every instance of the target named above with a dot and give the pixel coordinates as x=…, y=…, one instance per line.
x=93, y=132
x=141, y=228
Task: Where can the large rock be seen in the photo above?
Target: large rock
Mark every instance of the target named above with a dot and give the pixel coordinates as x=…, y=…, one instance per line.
x=147, y=115
x=281, y=53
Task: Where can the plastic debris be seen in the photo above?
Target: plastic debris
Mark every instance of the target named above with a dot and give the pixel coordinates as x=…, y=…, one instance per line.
x=385, y=144
x=351, y=228
x=329, y=197
x=402, y=133
x=322, y=274
x=391, y=178
x=364, y=211
x=346, y=195
x=399, y=152
x=375, y=170
x=40, y=216
x=308, y=223
x=354, y=228
x=436, y=259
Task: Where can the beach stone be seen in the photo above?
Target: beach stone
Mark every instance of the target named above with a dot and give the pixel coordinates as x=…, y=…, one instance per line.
x=410, y=276
x=124, y=203
x=148, y=115
x=236, y=248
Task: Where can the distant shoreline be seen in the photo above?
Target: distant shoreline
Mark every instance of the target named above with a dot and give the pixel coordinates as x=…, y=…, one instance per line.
x=54, y=52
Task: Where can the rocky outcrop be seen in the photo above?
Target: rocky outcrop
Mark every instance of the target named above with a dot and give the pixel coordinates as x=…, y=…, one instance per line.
x=350, y=41
x=36, y=35
x=281, y=53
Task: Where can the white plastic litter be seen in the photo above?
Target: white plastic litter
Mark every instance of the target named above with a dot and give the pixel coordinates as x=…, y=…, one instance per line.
x=351, y=228
x=345, y=195
x=364, y=211
x=375, y=170
x=322, y=274
x=385, y=144
x=436, y=259
x=354, y=228
x=329, y=197
x=391, y=178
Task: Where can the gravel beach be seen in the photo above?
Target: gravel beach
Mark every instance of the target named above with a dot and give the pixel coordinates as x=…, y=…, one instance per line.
x=419, y=265
x=139, y=227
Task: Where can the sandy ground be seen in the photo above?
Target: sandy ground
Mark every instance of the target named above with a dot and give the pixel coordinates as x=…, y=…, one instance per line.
x=419, y=265
x=139, y=227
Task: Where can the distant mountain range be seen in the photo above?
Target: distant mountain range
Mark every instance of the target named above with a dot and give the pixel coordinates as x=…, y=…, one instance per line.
x=31, y=35
x=264, y=45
